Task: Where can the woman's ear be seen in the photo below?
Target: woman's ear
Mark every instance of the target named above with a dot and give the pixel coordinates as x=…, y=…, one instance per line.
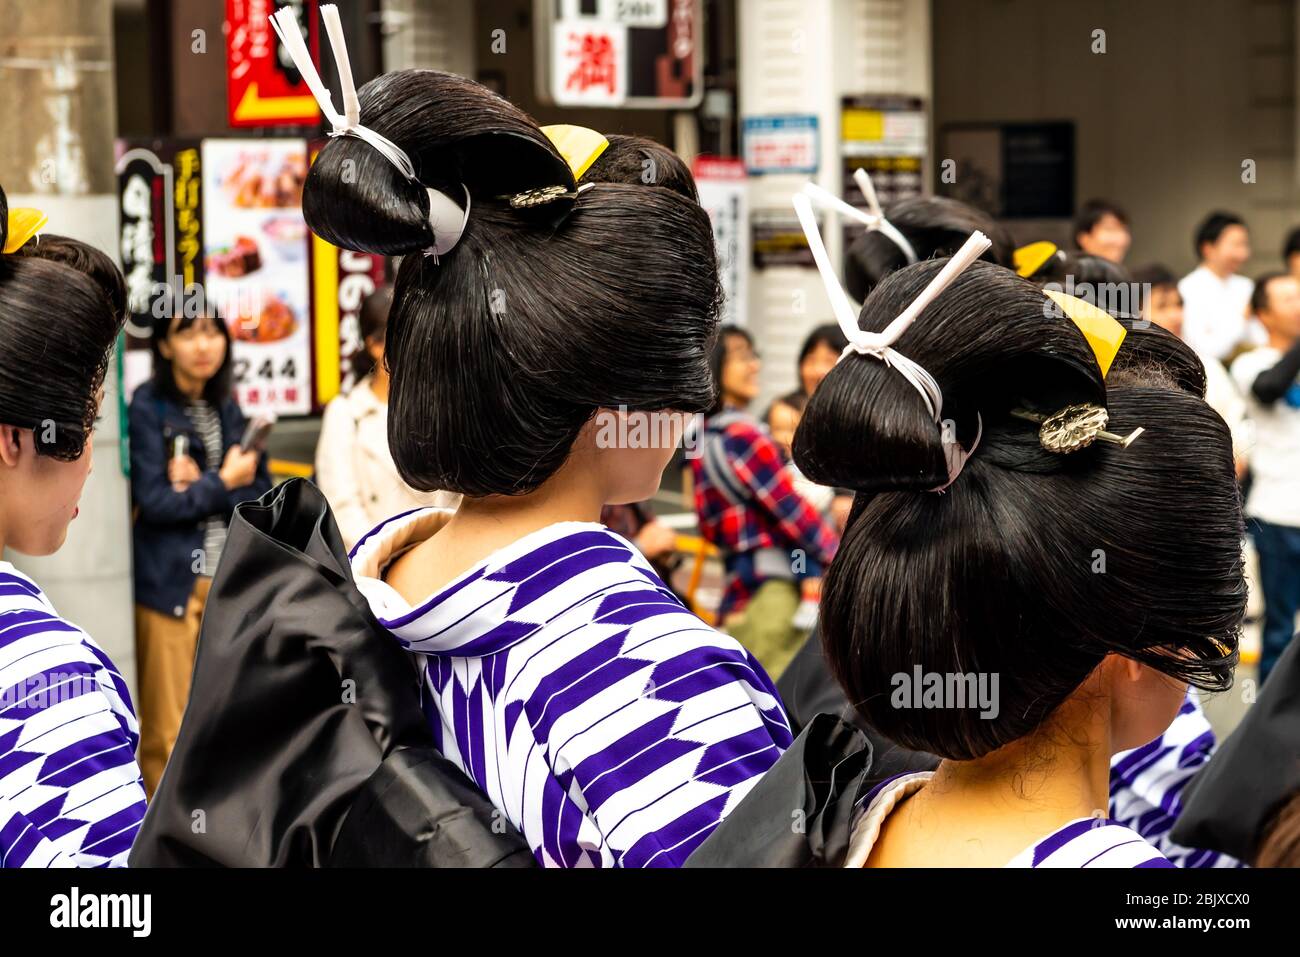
x=1119, y=670
x=10, y=444
x=165, y=349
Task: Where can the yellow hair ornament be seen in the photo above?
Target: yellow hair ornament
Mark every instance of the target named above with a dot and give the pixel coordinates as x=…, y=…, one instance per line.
x=1027, y=260
x=1103, y=332
x=23, y=225
x=579, y=146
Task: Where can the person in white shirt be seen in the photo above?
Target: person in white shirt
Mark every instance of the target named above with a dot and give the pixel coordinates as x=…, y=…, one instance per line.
x=1268, y=378
x=1216, y=298
x=354, y=468
x=1163, y=305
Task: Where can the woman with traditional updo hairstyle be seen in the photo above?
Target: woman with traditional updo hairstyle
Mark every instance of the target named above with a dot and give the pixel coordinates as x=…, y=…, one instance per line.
x=1017, y=591
x=70, y=790
x=546, y=344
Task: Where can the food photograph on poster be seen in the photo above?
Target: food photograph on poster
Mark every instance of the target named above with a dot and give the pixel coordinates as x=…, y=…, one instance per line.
x=255, y=251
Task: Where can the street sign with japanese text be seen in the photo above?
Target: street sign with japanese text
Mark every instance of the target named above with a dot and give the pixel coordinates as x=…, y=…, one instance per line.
x=263, y=88
x=621, y=53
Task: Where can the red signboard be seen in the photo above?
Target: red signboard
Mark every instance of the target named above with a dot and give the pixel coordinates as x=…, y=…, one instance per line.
x=262, y=86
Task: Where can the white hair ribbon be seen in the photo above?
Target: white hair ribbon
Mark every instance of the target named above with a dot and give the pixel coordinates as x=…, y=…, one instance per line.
x=446, y=218
x=880, y=344
x=874, y=219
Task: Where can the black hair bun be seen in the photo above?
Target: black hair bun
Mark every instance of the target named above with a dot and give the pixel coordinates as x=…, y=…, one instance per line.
x=1032, y=567
x=934, y=226
x=991, y=341
x=635, y=159
x=547, y=309
x=459, y=136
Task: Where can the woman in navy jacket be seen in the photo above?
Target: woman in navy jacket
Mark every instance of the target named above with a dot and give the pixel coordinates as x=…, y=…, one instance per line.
x=187, y=475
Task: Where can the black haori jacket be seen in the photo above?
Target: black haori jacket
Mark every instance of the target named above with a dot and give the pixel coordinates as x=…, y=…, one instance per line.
x=801, y=813
x=1233, y=801
x=303, y=743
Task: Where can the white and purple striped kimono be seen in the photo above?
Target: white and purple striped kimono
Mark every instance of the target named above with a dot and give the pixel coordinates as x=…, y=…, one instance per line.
x=70, y=791
x=608, y=723
x=1146, y=784
x=1086, y=842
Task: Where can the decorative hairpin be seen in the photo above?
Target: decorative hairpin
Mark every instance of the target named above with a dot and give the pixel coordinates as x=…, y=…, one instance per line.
x=542, y=195
x=874, y=219
x=1103, y=331
x=1029, y=260
x=1078, y=426
x=1075, y=427
x=880, y=344
x=580, y=147
x=446, y=217
x=24, y=223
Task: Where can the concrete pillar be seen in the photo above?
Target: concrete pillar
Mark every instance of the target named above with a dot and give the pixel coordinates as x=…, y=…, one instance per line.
x=803, y=56
x=57, y=124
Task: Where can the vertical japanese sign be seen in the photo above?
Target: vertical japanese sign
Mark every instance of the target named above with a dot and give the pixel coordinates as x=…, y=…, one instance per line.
x=146, y=246
x=626, y=53
x=724, y=194
x=160, y=241
x=341, y=280
x=263, y=88
x=255, y=260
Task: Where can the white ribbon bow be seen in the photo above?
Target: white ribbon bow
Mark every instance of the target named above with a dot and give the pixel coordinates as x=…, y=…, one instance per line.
x=881, y=344
x=446, y=218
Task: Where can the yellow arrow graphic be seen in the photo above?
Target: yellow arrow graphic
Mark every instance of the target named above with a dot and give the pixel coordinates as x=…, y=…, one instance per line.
x=283, y=108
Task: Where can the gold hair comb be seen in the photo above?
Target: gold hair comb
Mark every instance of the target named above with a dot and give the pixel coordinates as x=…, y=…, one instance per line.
x=542, y=195
x=1075, y=427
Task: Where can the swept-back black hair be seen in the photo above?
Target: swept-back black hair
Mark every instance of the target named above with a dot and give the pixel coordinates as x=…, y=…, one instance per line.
x=86, y=259
x=635, y=159
x=373, y=320
x=1032, y=565
x=935, y=226
x=58, y=325
x=503, y=348
x=217, y=389
x=718, y=359
x=1212, y=227
x=1259, y=295
x=1092, y=212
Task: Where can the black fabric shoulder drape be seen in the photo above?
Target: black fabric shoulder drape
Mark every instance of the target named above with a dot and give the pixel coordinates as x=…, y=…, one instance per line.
x=303, y=743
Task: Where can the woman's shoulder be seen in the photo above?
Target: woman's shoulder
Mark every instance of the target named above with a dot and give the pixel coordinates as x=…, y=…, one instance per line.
x=34, y=635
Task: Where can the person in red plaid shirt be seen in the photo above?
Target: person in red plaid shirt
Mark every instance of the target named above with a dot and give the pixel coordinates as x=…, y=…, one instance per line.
x=774, y=542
